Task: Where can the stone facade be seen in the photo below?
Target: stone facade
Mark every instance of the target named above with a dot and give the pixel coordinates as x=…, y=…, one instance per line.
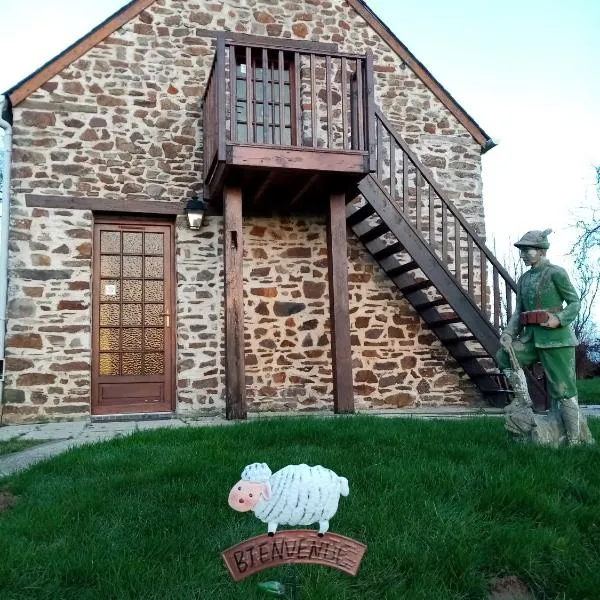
x=123, y=122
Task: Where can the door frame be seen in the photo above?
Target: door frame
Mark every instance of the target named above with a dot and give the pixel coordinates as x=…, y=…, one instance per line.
x=170, y=299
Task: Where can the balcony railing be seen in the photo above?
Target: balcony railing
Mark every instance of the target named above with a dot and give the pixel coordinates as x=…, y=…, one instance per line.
x=289, y=99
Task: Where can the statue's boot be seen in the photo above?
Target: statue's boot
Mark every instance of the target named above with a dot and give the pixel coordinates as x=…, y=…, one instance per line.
x=569, y=410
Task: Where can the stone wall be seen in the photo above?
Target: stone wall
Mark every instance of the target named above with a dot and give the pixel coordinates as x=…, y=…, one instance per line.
x=122, y=122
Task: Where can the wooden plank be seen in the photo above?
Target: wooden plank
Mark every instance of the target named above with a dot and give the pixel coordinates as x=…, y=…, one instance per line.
x=313, y=99
x=345, y=102
x=457, y=261
x=328, y=80
x=297, y=92
x=370, y=116
x=233, y=93
x=265, y=70
x=484, y=298
x=418, y=216
x=496, y=298
x=379, y=170
x=281, y=99
x=360, y=102
x=290, y=158
x=150, y=207
x=221, y=98
x=339, y=309
x=405, y=202
x=424, y=75
x=37, y=79
x=470, y=266
x=444, y=233
x=508, y=291
x=235, y=384
x=270, y=42
x=392, y=169
x=249, y=96
x=432, y=240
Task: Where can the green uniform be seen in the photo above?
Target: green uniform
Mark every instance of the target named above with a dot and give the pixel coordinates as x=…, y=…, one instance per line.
x=546, y=287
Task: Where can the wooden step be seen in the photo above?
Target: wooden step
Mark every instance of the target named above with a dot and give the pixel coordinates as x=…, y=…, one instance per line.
x=404, y=268
x=485, y=374
x=388, y=251
x=472, y=356
x=421, y=306
x=374, y=233
x=458, y=340
x=441, y=322
x=417, y=285
x=360, y=215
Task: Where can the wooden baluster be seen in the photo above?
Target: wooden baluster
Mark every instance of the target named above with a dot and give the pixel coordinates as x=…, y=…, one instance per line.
x=470, y=266
x=379, y=150
x=249, y=96
x=233, y=93
x=444, y=233
x=360, y=92
x=328, y=77
x=432, y=241
x=457, y=267
x=405, y=203
x=496, y=299
x=509, y=292
x=298, y=99
x=313, y=100
x=265, y=71
x=345, y=102
x=281, y=100
x=483, y=267
x=418, y=224
x=370, y=109
x=392, y=168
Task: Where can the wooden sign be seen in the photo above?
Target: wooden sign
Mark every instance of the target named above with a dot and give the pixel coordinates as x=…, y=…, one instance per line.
x=298, y=546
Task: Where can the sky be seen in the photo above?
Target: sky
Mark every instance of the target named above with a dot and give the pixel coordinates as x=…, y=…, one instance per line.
x=525, y=70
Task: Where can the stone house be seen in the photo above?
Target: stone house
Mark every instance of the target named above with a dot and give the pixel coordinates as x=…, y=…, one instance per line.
x=340, y=265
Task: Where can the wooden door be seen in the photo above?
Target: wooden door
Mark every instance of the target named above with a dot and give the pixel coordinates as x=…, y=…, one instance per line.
x=132, y=302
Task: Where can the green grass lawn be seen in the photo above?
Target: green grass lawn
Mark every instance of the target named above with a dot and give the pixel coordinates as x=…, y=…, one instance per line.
x=589, y=391
x=443, y=506
x=10, y=446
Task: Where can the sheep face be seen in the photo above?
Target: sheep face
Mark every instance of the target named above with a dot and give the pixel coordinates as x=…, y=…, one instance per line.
x=244, y=495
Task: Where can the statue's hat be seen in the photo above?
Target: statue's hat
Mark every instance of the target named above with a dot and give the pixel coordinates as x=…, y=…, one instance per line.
x=535, y=239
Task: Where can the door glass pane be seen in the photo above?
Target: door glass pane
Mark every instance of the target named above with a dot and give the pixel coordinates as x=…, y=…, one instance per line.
x=109, y=364
x=153, y=363
x=110, y=266
x=154, y=267
x=110, y=290
x=241, y=88
x=153, y=291
x=132, y=314
x=153, y=243
x=131, y=339
x=132, y=243
x=109, y=315
x=132, y=290
x=153, y=339
x=132, y=364
x=109, y=340
x=153, y=315
x=132, y=266
x=110, y=242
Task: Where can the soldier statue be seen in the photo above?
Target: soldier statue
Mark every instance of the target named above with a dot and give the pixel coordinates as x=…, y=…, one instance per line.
x=539, y=330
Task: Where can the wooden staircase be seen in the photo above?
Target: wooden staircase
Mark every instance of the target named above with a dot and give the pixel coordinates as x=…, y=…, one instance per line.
x=437, y=260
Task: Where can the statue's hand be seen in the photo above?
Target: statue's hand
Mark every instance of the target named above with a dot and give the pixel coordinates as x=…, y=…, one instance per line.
x=552, y=323
x=506, y=340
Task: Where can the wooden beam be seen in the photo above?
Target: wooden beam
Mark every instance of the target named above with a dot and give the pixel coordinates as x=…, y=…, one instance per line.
x=264, y=186
x=339, y=309
x=304, y=189
x=269, y=42
x=150, y=207
x=235, y=383
x=29, y=85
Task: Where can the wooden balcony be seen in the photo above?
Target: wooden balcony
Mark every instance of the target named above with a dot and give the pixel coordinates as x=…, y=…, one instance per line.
x=286, y=125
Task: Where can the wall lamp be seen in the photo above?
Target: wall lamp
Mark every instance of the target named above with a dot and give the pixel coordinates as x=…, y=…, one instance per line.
x=195, y=209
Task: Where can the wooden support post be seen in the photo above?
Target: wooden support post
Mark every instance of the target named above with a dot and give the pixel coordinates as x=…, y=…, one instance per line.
x=337, y=260
x=235, y=382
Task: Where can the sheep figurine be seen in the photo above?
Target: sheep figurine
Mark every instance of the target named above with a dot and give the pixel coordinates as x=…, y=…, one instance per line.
x=294, y=495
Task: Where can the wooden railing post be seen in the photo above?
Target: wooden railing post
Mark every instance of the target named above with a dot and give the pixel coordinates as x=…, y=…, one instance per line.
x=370, y=110
x=341, y=349
x=222, y=95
